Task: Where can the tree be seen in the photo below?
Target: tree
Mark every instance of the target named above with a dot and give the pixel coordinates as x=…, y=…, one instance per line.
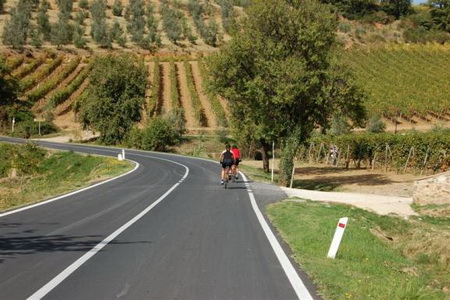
x=354, y=9
x=78, y=37
x=440, y=13
x=15, y=31
x=117, y=34
x=43, y=22
x=115, y=95
x=153, y=36
x=136, y=21
x=279, y=76
x=117, y=8
x=9, y=93
x=62, y=31
x=80, y=16
x=83, y=4
x=36, y=39
x=397, y=8
x=98, y=9
x=65, y=7
x=172, y=23
x=99, y=29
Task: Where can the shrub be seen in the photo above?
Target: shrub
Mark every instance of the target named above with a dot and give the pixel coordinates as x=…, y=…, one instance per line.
x=31, y=128
x=375, y=124
x=344, y=27
x=423, y=36
x=161, y=132
x=117, y=8
x=27, y=158
x=84, y=4
x=6, y=152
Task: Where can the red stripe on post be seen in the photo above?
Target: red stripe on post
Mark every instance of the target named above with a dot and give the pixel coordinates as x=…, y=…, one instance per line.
x=342, y=225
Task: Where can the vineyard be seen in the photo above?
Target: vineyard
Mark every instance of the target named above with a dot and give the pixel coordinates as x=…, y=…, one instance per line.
x=405, y=83
x=52, y=82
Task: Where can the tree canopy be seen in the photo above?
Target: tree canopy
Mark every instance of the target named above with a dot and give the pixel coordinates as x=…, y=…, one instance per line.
x=115, y=95
x=279, y=74
x=9, y=92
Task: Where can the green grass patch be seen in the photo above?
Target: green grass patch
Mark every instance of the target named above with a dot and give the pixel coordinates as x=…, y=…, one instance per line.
x=58, y=173
x=380, y=257
x=257, y=174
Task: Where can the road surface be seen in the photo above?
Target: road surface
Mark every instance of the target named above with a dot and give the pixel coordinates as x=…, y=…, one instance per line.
x=167, y=230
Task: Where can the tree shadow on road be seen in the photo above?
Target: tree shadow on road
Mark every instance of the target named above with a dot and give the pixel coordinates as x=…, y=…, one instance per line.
x=19, y=243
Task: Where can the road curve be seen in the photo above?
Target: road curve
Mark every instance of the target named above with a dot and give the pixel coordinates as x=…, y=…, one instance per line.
x=168, y=230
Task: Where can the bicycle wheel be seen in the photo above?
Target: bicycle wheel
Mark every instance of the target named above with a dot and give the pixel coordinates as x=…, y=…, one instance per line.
x=226, y=178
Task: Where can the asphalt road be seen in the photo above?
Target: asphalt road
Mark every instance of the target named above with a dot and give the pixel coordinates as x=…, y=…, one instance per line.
x=167, y=230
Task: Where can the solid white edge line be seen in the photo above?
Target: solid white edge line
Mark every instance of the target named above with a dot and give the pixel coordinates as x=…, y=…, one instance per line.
x=79, y=262
x=295, y=280
x=69, y=194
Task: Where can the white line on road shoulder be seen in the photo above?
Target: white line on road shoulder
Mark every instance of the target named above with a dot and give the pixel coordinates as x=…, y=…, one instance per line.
x=298, y=285
x=79, y=262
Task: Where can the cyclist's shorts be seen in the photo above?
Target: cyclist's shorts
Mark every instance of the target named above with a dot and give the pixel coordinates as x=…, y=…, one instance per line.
x=236, y=162
x=226, y=164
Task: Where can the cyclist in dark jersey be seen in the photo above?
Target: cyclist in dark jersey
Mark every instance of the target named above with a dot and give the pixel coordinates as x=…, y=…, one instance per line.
x=227, y=160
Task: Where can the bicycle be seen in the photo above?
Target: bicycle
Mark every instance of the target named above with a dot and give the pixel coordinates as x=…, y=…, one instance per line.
x=228, y=176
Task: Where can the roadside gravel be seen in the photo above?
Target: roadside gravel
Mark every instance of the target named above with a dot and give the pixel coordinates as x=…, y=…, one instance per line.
x=383, y=205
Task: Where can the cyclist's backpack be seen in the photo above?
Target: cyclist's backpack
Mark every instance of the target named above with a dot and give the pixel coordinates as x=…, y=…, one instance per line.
x=227, y=157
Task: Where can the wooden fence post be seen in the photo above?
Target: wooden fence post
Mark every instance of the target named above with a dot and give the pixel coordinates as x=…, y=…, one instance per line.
x=425, y=161
x=347, y=157
x=311, y=147
x=411, y=153
x=388, y=149
x=321, y=148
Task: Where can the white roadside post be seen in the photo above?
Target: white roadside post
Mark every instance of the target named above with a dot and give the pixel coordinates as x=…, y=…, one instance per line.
x=13, y=122
x=123, y=153
x=39, y=120
x=338, y=234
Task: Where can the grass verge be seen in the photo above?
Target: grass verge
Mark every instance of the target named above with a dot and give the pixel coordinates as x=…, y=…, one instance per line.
x=58, y=173
x=380, y=257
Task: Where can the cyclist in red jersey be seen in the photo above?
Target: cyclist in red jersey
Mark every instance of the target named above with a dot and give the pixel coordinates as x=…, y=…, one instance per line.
x=237, y=159
x=227, y=161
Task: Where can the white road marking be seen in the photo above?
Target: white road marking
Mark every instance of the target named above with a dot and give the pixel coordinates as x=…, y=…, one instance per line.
x=42, y=292
x=298, y=285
